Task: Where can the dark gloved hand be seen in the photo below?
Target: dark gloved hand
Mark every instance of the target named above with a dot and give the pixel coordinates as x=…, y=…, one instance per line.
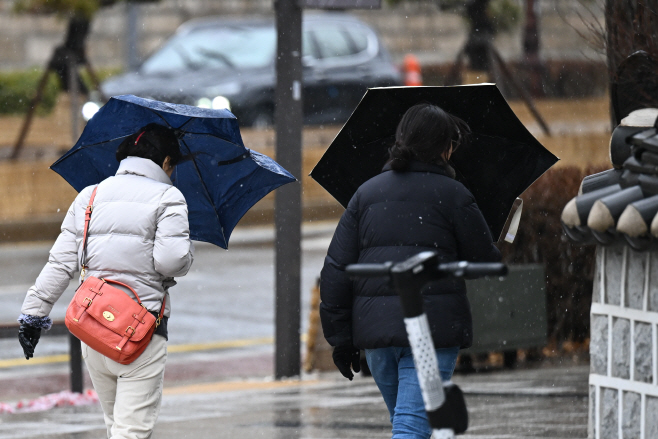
x=28, y=336
x=346, y=356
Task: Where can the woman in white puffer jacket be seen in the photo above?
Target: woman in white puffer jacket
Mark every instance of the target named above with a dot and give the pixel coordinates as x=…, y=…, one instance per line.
x=138, y=235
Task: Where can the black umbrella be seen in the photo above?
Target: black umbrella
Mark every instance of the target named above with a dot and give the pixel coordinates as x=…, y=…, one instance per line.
x=500, y=162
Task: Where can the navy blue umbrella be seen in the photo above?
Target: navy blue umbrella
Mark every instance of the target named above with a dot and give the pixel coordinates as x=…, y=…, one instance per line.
x=221, y=182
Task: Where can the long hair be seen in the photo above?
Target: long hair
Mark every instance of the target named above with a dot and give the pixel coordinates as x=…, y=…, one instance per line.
x=154, y=142
x=425, y=133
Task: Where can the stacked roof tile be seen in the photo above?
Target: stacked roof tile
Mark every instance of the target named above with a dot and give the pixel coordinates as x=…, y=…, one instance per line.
x=620, y=205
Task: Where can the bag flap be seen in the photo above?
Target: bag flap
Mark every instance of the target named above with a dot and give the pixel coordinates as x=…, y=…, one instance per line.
x=114, y=309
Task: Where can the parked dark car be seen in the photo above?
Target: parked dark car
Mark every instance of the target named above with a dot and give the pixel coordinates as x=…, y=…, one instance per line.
x=229, y=63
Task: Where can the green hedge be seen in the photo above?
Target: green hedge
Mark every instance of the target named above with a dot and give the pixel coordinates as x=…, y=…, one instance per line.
x=17, y=89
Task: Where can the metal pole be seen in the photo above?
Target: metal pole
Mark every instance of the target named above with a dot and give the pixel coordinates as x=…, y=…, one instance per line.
x=531, y=43
x=75, y=355
x=288, y=118
x=132, y=18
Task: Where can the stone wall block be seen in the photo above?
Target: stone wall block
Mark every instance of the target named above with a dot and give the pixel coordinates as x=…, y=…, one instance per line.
x=161, y=24
x=598, y=346
x=653, y=283
x=631, y=414
x=107, y=24
x=40, y=50
x=10, y=50
x=613, y=263
x=643, y=353
x=609, y=414
x=621, y=334
x=591, y=422
x=637, y=265
x=596, y=286
x=100, y=50
x=651, y=418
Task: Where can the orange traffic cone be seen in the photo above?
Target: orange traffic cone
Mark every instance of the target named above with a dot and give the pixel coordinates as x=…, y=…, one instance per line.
x=411, y=67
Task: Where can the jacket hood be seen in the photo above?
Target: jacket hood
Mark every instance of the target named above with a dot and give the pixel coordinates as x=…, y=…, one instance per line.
x=144, y=168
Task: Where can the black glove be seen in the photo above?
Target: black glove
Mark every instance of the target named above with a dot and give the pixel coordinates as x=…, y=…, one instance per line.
x=346, y=356
x=28, y=336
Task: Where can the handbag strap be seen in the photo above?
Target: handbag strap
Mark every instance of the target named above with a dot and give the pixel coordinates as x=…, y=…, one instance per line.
x=88, y=211
x=85, y=234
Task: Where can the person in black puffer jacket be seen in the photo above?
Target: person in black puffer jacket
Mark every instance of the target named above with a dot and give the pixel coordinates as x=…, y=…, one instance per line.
x=414, y=205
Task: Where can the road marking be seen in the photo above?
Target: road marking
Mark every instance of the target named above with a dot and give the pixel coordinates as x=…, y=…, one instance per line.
x=231, y=386
x=14, y=362
x=193, y=347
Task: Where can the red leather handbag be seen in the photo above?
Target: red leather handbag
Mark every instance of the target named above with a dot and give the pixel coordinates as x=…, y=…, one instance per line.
x=106, y=318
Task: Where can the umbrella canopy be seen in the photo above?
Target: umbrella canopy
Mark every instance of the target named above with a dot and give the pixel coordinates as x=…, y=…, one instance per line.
x=221, y=182
x=500, y=162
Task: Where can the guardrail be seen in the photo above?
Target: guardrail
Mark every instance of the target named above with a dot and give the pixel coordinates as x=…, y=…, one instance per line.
x=75, y=350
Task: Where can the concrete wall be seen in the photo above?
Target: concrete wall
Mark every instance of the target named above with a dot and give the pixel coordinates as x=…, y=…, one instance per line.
x=415, y=26
x=624, y=347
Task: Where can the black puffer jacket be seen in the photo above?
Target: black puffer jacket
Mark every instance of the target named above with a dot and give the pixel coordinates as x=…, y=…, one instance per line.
x=391, y=217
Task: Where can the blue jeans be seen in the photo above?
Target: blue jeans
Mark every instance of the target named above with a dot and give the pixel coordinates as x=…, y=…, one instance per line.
x=395, y=374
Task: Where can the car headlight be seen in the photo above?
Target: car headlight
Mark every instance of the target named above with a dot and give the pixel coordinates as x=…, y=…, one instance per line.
x=89, y=109
x=220, y=102
x=226, y=89
x=204, y=103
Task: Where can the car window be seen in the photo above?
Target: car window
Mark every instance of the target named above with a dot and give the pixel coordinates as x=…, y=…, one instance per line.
x=333, y=42
x=359, y=39
x=308, y=47
x=234, y=46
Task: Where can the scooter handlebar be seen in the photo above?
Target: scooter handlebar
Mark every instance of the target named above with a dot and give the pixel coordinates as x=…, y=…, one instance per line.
x=453, y=269
x=473, y=269
x=369, y=270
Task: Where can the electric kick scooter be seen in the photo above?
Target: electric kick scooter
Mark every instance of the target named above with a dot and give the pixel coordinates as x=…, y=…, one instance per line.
x=444, y=402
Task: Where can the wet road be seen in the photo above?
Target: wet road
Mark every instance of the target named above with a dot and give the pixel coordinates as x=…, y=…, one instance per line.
x=218, y=381
x=537, y=403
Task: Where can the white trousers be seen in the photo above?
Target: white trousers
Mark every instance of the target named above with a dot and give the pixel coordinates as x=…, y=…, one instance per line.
x=130, y=394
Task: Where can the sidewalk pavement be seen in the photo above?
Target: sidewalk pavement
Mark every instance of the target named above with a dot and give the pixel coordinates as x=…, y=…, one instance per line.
x=540, y=402
x=225, y=390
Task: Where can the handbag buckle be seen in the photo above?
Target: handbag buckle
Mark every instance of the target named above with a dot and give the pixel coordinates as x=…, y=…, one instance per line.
x=128, y=329
x=90, y=302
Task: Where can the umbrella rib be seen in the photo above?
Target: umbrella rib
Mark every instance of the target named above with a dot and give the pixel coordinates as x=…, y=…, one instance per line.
x=186, y=122
x=157, y=114
x=203, y=184
x=103, y=142
x=216, y=137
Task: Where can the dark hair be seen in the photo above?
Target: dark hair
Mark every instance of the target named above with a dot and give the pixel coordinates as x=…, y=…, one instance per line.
x=424, y=133
x=153, y=141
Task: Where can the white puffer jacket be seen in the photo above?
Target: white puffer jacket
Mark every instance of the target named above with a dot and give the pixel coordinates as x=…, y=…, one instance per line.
x=138, y=235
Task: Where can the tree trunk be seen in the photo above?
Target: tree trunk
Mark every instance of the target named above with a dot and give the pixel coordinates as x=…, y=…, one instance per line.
x=631, y=25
